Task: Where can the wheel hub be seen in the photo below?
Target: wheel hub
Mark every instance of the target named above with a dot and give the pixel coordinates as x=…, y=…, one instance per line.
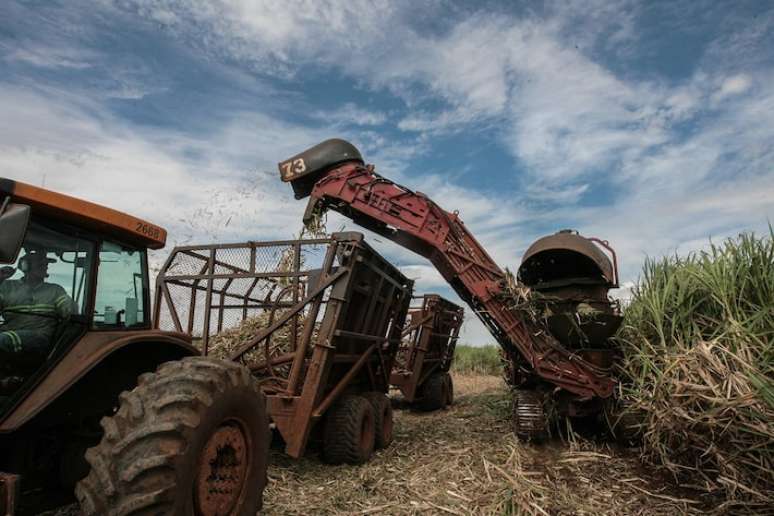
x=222, y=471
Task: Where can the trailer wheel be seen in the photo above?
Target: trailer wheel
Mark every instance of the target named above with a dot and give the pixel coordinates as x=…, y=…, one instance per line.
x=191, y=438
x=449, y=389
x=528, y=416
x=349, y=434
x=383, y=421
x=434, y=393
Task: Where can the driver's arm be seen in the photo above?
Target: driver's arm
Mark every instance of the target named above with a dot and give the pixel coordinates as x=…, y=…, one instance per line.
x=64, y=305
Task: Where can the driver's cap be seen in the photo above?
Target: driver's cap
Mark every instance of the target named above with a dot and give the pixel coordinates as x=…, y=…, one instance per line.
x=36, y=256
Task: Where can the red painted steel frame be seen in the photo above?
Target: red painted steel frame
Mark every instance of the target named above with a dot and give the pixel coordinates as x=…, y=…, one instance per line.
x=416, y=222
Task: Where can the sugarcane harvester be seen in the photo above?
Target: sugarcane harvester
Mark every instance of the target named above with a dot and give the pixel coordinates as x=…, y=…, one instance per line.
x=556, y=345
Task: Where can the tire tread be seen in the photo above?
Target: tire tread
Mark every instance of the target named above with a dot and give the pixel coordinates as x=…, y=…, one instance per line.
x=342, y=431
x=133, y=469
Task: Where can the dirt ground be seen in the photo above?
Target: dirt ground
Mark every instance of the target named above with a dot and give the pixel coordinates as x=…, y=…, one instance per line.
x=465, y=460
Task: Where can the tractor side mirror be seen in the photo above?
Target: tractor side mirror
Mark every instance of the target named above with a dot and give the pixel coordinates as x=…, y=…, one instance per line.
x=13, y=226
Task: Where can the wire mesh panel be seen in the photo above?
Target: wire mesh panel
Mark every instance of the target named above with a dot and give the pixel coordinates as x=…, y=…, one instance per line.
x=225, y=295
x=231, y=290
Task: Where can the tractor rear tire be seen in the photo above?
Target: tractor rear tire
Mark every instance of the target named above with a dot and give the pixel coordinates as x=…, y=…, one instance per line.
x=434, y=393
x=383, y=421
x=349, y=434
x=529, y=418
x=191, y=438
x=450, y=389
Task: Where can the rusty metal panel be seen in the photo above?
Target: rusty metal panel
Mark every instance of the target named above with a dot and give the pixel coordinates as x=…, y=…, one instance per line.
x=428, y=344
x=567, y=255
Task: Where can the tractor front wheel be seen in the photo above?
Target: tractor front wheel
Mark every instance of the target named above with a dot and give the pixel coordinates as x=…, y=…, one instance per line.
x=191, y=438
x=449, y=389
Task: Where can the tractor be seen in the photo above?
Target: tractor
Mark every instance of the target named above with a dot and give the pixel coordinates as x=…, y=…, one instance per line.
x=93, y=398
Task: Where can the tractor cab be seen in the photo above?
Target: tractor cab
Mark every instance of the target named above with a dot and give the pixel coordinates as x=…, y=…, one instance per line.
x=67, y=267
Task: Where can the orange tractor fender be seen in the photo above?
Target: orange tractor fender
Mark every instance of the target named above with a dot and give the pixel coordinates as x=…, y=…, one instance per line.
x=116, y=358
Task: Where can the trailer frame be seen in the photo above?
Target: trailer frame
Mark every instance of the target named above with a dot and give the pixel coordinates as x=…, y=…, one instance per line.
x=349, y=349
x=430, y=339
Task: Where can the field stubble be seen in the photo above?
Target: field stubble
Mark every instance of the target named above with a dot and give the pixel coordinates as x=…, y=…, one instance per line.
x=465, y=460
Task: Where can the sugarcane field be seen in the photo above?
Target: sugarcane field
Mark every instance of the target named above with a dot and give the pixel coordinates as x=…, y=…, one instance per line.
x=367, y=257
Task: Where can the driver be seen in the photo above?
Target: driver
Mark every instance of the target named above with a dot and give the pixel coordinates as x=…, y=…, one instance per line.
x=32, y=310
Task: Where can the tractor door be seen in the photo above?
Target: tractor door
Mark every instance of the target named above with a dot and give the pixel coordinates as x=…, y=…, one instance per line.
x=45, y=297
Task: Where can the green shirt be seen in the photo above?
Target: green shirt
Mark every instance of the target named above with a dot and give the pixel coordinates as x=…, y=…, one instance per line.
x=39, y=308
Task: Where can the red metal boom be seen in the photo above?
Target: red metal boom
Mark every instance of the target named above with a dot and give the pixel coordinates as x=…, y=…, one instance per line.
x=414, y=221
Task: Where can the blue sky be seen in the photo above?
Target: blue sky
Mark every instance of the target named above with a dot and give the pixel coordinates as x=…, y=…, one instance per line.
x=650, y=124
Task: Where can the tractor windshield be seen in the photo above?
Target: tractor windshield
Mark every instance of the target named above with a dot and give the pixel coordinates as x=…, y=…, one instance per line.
x=121, y=297
x=43, y=297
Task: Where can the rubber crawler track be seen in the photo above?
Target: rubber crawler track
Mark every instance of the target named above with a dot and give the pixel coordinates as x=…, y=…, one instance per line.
x=529, y=416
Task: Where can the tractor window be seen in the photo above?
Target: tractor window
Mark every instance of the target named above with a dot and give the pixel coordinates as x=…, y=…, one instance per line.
x=56, y=261
x=43, y=297
x=121, y=288
x=62, y=260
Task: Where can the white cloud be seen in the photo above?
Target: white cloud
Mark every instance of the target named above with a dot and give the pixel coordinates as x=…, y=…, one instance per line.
x=45, y=56
x=430, y=122
x=734, y=86
x=351, y=114
x=275, y=35
x=70, y=149
x=426, y=277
